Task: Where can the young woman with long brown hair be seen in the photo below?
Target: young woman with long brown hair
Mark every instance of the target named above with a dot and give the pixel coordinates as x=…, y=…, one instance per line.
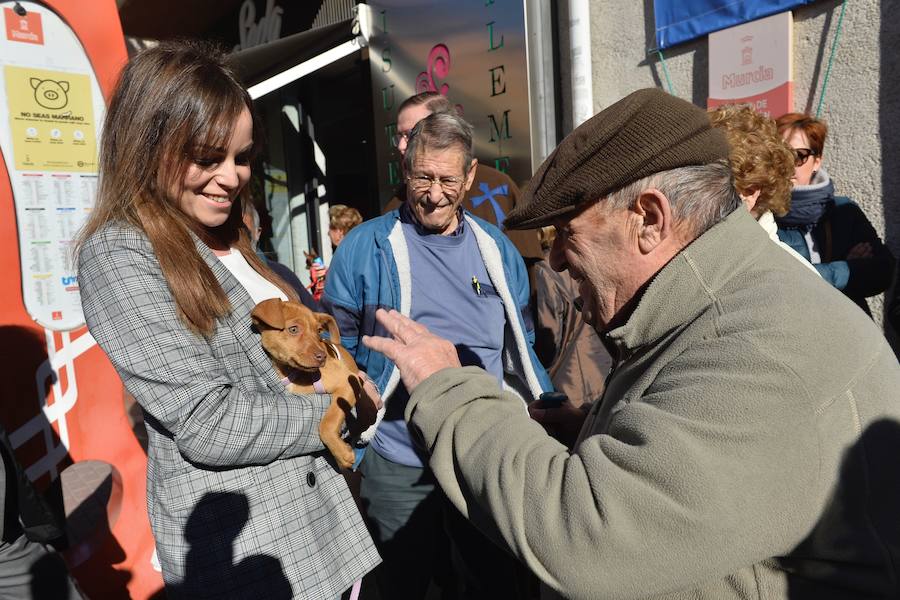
x=242, y=501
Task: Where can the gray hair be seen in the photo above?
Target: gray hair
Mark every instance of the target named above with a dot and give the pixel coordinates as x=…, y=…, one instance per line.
x=440, y=131
x=249, y=209
x=700, y=195
x=433, y=101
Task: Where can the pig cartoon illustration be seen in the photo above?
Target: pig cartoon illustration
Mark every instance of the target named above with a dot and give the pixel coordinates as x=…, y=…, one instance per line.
x=50, y=94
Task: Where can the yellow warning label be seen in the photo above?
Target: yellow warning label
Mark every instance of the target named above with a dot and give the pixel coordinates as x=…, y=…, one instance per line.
x=51, y=116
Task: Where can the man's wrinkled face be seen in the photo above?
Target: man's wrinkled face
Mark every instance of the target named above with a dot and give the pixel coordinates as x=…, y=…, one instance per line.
x=436, y=186
x=596, y=246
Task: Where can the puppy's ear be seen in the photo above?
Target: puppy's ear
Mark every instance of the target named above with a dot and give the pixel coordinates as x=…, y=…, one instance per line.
x=327, y=323
x=268, y=313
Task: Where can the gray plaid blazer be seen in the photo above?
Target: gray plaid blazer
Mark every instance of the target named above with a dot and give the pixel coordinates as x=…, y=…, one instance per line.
x=242, y=502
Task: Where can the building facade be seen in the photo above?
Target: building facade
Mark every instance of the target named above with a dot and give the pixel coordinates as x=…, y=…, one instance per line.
x=861, y=103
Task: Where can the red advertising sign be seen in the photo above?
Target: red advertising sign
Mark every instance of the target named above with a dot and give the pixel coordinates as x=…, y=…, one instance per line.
x=26, y=28
x=752, y=64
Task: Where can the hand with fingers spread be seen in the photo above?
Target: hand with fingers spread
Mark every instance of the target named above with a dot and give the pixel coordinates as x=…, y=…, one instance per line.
x=417, y=352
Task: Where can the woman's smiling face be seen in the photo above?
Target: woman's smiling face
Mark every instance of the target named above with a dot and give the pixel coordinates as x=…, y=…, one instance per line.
x=215, y=177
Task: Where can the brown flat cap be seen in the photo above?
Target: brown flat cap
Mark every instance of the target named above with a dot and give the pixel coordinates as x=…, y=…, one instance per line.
x=646, y=132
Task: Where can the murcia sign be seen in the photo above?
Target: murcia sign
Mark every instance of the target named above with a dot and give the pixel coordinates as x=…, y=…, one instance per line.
x=752, y=64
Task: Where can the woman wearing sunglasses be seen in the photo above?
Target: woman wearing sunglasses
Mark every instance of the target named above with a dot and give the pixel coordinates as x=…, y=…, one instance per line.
x=832, y=232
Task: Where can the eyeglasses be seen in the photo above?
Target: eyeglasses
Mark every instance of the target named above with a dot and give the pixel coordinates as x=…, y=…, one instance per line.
x=403, y=135
x=449, y=185
x=801, y=155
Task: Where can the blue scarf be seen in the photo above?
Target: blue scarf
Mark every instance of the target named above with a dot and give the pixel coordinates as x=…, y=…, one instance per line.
x=809, y=202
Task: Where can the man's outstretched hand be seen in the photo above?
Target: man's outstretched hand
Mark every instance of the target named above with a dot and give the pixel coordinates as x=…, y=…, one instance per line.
x=417, y=352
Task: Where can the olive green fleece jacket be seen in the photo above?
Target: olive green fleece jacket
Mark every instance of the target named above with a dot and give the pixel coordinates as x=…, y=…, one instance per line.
x=747, y=444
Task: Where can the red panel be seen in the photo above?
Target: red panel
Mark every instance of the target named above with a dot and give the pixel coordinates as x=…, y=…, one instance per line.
x=772, y=103
x=100, y=32
x=117, y=563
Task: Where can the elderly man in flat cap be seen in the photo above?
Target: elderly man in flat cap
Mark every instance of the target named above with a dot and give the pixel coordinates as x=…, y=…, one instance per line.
x=743, y=448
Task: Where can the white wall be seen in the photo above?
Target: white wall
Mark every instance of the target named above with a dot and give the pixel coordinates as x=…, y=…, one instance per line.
x=861, y=103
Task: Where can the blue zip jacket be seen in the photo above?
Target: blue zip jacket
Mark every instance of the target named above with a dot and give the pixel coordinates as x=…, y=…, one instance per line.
x=370, y=270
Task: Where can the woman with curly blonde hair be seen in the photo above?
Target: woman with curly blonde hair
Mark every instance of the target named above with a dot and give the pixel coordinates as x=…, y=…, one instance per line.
x=762, y=165
x=341, y=219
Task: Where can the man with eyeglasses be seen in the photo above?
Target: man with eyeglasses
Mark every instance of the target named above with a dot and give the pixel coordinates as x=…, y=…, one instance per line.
x=492, y=195
x=459, y=275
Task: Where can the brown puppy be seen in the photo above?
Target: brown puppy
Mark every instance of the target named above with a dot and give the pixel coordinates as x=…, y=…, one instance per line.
x=291, y=335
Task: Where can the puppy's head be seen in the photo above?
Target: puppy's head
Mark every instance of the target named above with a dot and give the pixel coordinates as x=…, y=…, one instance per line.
x=292, y=334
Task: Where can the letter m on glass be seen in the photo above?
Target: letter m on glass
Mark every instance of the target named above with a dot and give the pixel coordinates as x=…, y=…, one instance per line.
x=500, y=131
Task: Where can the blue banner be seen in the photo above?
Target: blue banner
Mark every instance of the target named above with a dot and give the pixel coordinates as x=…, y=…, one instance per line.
x=680, y=21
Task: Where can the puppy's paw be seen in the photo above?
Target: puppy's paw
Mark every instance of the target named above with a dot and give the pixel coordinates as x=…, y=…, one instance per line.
x=345, y=457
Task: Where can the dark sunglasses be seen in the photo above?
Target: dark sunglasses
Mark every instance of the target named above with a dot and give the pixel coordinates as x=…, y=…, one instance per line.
x=801, y=155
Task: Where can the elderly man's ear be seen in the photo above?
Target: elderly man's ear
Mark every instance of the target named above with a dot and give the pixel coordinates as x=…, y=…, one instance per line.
x=656, y=226
x=470, y=176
